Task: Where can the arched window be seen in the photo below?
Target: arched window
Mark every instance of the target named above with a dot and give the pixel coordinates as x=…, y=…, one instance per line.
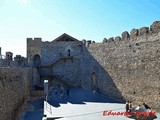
x=36, y=60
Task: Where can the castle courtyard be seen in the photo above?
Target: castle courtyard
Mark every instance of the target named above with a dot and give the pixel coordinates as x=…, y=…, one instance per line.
x=84, y=105
x=80, y=60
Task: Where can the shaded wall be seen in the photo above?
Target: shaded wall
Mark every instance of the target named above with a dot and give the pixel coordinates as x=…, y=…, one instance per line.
x=79, y=70
x=50, y=52
x=15, y=86
x=104, y=82
x=134, y=67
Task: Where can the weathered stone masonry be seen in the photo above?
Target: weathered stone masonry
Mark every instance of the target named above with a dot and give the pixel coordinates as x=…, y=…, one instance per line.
x=15, y=87
x=126, y=67
x=81, y=70
x=133, y=62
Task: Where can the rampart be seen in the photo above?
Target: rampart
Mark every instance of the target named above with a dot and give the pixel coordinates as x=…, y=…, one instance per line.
x=8, y=60
x=15, y=86
x=79, y=69
x=121, y=67
x=133, y=62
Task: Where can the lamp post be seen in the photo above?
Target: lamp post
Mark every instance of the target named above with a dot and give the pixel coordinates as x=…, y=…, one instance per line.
x=45, y=99
x=46, y=90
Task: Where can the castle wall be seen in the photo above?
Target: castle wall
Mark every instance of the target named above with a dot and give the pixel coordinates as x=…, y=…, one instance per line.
x=15, y=86
x=125, y=67
x=67, y=69
x=49, y=52
x=78, y=70
x=33, y=48
x=133, y=62
x=8, y=60
x=104, y=82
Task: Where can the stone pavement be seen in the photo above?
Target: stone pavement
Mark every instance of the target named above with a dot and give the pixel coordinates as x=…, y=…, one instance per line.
x=81, y=105
x=33, y=110
x=86, y=111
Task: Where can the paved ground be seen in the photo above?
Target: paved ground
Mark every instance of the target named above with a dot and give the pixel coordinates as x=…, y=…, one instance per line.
x=80, y=105
x=88, y=111
x=33, y=110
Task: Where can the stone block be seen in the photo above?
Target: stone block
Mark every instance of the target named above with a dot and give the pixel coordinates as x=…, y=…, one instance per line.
x=117, y=38
x=38, y=39
x=104, y=40
x=125, y=35
x=111, y=39
x=18, y=57
x=88, y=43
x=155, y=27
x=9, y=55
x=143, y=30
x=29, y=39
x=134, y=33
x=93, y=42
x=84, y=41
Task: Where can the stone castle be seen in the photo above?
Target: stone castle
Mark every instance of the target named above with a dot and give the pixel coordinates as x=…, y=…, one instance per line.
x=123, y=68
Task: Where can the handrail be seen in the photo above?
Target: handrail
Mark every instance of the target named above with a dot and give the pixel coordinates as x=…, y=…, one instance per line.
x=58, y=78
x=50, y=109
x=49, y=65
x=2, y=56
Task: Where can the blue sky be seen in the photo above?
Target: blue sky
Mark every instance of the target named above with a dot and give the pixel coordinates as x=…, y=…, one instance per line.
x=82, y=19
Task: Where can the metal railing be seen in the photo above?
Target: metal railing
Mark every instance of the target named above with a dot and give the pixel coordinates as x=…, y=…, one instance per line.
x=2, y=57
x=48, y=107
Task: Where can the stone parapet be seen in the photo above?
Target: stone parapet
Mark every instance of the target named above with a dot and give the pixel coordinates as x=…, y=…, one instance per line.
x=143, y=34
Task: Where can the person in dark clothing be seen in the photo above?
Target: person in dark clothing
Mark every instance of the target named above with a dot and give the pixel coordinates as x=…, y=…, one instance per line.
x=130, y=106
x=55, y=91
x=147, y=107
x=67, y=92
x=127, y=106
x=69, y=52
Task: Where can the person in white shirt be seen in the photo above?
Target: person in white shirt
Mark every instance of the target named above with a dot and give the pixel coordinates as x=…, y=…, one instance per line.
x=137, y=108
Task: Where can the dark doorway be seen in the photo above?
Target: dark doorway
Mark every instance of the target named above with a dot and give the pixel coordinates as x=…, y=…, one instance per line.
x=36, y=60
x=69, y=53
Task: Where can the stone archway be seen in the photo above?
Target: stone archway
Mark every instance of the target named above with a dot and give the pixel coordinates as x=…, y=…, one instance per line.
x=94, y=80
x=36, y=60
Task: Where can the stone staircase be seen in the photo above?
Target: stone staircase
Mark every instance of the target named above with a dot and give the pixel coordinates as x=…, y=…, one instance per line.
x=55, y=62
x=50, y=76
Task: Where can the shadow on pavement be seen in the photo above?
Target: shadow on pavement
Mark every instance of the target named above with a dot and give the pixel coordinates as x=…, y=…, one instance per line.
x=55, y=118
x=78, y=96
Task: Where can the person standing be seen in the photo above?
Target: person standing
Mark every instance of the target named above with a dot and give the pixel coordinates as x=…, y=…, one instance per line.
x=138, y=107
x=55, y=91
x=147, y=107
x=67, y=92
x=127, y=106
x=130, y=106
x=61, y=92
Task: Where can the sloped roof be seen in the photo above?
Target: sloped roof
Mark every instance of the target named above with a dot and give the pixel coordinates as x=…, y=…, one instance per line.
x=65, y=37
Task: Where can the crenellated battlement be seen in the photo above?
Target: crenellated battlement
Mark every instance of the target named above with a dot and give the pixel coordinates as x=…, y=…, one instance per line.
x=143, y=34
x=138, y=35
x=8, y=60
x=132, y=61
x=33, y=41
x=125, y=67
